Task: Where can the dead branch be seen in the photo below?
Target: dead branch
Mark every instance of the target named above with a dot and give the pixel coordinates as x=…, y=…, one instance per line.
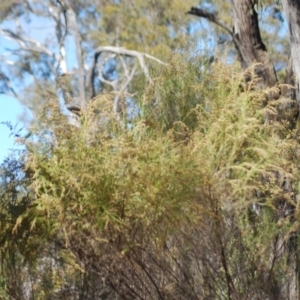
x=26, y=43
x=209, y=16
x=139, y=56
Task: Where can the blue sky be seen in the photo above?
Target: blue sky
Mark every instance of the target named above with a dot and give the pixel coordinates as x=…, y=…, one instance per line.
x=11, y=108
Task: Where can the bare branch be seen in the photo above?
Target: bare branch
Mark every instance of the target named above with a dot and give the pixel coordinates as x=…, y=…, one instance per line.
x=4, y=59
x=116, y=107
x=209, y=16
x=123, y=51
x=74, y=109
x=8, y=89
x=101, y=63
x=26, y=43
x=124, y=66
x=119, y=88
x=129, y=79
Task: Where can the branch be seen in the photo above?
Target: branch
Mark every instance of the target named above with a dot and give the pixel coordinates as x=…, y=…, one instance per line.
x=119, y=86
x=73, y=25
x=8, y=61
x=116, y=108
x=129, y=79
x=60, y=31
x=209, y=16
x=7, y=86
x=140, y=56
x=101, y=63
x=26, y=43
x=75, y=109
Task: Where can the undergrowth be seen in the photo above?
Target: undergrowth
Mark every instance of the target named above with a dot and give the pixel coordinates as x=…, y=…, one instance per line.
x=196, y=198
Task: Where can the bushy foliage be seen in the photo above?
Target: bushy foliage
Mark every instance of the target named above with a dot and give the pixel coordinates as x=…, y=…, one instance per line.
x=194, y=198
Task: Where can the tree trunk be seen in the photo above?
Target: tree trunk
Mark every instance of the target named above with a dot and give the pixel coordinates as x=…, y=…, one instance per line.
x=246, y=37
x=291, y=10
x=248, y=41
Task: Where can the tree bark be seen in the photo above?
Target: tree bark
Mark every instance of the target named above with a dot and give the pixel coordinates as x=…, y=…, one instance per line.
x=248, y=41
x=246, y=37
x=291, y=10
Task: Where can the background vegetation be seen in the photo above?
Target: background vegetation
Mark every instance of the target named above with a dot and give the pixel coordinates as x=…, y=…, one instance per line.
x=180, y=182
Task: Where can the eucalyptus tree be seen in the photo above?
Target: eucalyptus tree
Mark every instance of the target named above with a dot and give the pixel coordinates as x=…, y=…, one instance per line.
x=94, y=46
x=170, y=205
